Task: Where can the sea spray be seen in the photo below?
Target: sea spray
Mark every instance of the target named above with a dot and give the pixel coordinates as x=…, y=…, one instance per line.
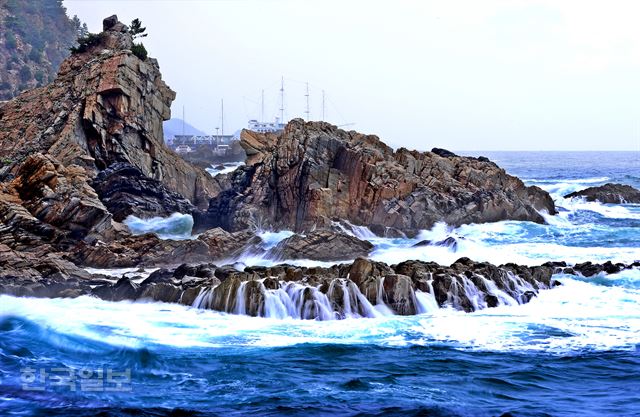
x=178, y=226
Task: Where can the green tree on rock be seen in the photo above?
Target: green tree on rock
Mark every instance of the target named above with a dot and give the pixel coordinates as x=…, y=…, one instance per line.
x=136, y=30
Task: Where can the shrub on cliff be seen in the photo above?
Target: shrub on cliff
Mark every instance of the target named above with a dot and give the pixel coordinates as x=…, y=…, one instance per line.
x=137, y=31
x=139, y=50
x=25, y=74
x=85, y=42
x=10, y=41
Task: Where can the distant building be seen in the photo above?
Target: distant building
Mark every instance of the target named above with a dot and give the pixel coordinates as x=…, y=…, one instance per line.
x=211, y=140
x=222, y=150
x=264, y=127
x=183, y=149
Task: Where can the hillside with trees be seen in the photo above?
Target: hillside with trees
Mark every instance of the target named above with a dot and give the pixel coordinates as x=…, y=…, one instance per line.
x=35, y=37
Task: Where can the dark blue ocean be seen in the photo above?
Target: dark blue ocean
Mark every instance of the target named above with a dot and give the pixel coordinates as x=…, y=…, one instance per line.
x=573, y=350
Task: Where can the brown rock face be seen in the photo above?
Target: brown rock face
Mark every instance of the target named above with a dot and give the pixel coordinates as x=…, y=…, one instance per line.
x=97, y=127
x=314, y=172
x=105, y=106
x=322, y=245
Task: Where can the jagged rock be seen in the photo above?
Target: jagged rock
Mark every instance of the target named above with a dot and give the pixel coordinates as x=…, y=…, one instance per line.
x=105, y=106
x=314, y=172
x=338, y=291
x=443, y=153
x=99, y=124
x=150, y=250
x=125, y=191
x=124, y=289
x=449, y=242
x=139, y=250
x=223, y=244
x=609, y=193
x=589, y=269
x=321, y=245
x=37, y=265
x=60, y=196
x=363, y=268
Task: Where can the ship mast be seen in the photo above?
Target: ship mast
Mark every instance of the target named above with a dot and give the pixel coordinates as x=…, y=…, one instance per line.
x=307, y=98
x=262, y=108
x=282, y=100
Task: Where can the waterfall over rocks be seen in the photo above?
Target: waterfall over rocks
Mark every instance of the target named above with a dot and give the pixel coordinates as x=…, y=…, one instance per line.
x=322, y=297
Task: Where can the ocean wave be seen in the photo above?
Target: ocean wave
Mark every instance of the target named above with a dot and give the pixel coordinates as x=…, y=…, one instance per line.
x=225, y=168
x=178, y=226
x=562, y=180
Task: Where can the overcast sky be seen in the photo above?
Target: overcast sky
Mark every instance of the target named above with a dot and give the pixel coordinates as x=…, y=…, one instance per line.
x=463, y=75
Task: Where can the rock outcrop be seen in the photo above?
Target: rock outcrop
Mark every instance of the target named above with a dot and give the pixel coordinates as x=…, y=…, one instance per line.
x=105, y=106
x=609, y=193
x=149, y=250
x=125, y=191
x=590, y=269
x=82, y=153
x=360, y=289
x=322, y=245
x=314, y=172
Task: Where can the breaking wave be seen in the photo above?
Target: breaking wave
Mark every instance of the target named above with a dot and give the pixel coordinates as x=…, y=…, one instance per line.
x=178, y=226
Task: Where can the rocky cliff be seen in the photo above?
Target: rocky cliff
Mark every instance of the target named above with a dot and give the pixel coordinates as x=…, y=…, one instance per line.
x=79, y=155
x=314, y=172
x=105, y=106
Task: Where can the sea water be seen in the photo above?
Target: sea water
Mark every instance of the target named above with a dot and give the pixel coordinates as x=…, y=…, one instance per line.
x=573, y=350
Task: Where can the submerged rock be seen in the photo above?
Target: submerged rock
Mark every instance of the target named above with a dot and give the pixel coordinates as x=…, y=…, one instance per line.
x=362, y=288
x=609, y=193
x=314, y=172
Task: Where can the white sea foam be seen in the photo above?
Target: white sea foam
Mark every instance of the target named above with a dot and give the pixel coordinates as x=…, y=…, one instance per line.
x=573, y=317
x=177, y=226
x=226, y=168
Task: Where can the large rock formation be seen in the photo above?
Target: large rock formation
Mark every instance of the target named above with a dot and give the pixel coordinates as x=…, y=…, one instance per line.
x=314, y=172
x=609, y=193
x=105, y=106
x=81, y=154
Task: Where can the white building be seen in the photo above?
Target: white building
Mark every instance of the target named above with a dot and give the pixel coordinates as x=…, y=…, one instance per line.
x=264, y=127
x=183, y=149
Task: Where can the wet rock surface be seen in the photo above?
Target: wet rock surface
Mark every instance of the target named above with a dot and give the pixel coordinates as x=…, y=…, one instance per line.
x=323, y=245
x=609, y=193
x=344, y=290
x=125, y=191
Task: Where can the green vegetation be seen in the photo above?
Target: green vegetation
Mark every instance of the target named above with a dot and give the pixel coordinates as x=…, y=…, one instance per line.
x=10, y=40
x=37, y=34
x=25, y=74
x=35, y=55
x=39, y=76
x=85, y=42
x=136, y=30
x=139, y=50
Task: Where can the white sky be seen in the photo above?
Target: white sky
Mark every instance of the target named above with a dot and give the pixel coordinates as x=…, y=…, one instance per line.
x=463, y=75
